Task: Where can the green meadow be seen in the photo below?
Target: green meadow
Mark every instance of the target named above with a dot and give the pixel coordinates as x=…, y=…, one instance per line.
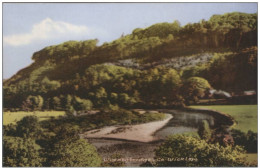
x=244, y=115
x=13, y=117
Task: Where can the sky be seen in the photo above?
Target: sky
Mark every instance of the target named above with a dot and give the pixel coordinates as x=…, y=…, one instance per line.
x=29, y=27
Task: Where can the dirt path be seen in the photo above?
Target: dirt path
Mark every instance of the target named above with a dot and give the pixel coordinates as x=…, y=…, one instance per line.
x=141, y=132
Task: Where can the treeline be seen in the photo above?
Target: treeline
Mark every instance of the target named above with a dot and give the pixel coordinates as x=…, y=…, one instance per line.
x=109, y=86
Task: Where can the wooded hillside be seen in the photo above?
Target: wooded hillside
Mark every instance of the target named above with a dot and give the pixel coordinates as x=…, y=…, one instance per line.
x=132, y=71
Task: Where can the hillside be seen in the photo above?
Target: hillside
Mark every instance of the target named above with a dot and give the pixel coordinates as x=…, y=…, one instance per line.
x=155, y=66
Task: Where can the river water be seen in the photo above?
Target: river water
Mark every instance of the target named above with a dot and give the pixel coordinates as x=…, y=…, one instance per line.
x=135, y=153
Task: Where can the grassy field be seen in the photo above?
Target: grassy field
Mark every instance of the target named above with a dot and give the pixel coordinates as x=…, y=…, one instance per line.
x=244, y=115
x=251, y=157
x=13, y=117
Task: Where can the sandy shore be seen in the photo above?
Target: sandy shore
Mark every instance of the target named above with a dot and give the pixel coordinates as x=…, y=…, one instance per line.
x=140, y=132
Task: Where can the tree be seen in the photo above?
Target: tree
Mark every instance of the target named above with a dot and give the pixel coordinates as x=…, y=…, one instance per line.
x=21, y=152
x=66, y=131
x=180, y=150
x=82, y=104
x=68, y=150
x=100, y=97
x=56, y=103
x=33, y=103
x=76, y=154
x=113, y=97
x=29, y=127
x=247, y=140
x=48, y=85
x=194, y=88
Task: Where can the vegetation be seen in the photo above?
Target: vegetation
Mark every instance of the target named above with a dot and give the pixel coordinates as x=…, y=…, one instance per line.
x=178, y=150
x=232, y=72
x=204, y=131
x=14, y=117
x=70, y=151
x=81, y=75
x=61, y=146
x=244, y=115
x=28, y=127
x=20, y=152
x=247, y=140
x=194, y=88
x=138, y=70
x=252, y=159
x=101, y=119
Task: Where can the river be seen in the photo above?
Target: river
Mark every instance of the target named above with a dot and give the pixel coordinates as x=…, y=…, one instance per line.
x=182, y=121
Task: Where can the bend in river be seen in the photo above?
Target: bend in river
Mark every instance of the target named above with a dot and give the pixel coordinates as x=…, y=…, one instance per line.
x=182, y=121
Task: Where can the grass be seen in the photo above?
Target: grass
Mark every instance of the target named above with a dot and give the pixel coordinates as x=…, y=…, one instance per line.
x=13, y=117
x=251, y=157
x=244, y=115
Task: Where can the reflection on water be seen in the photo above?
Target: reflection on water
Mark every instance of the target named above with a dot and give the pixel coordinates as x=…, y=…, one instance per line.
x=183, y=122
x=180, y=123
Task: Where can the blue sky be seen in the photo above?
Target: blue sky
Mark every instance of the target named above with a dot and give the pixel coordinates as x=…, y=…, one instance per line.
x=29, y=27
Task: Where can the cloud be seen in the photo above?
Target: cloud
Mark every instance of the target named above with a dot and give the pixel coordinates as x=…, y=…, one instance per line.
x=47, y=29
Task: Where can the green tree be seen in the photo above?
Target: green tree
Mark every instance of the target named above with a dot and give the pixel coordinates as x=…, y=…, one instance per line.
x=194, y=88
x=247, y=140
x=68, y=150
x=29, y=127
x=76, y=154
x=66, y=131
x=82, y=104
x=56, y=103
x=33, y=103
x=178, y=149
x=21, y=152
x=48, y=85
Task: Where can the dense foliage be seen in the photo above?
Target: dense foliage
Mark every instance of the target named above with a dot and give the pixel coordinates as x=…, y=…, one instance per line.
x=21, y=152
x=180, y=150
x=248, y=140
x=204, y=131
x=59, y=146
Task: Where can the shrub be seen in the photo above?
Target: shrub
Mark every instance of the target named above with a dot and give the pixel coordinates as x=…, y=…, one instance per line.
x=180, y=150
x=247, y=140
x=19, y=152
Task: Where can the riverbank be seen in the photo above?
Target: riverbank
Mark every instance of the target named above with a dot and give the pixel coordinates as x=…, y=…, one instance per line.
x=244, y=116
x=220, y=118
x=140, y=132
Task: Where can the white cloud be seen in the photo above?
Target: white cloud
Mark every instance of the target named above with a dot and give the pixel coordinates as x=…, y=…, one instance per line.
x=47, y=29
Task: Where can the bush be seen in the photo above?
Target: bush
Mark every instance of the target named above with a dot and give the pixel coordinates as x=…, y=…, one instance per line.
x=247, y=140
x=76, y=154
x=19, y=152
x=194, y=88
x=82, y=104
x=180, y=150
x=29, y=127
x=204, y=130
